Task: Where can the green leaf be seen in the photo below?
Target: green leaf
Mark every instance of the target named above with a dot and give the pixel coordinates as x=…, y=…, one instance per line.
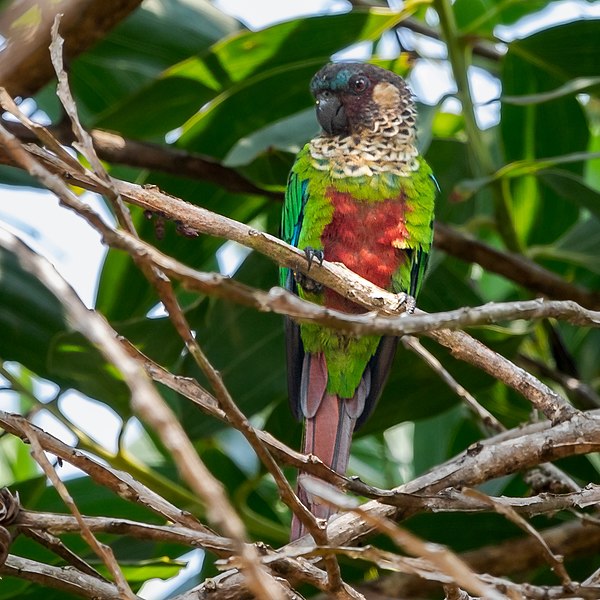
x=71, y=357
x=29, y=313
x=572, y=187
x=273, y=65
x=140, y=48
x=288, y=135
x=579, y=245
x=481, y=16
x=534, y=65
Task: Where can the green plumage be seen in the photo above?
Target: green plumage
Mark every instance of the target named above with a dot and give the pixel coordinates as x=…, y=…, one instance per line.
x=307, y=212
x=361, y=195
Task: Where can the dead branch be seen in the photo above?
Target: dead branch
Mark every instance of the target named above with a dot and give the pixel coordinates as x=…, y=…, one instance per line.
x=152, y=408
x=513, y=267
x=485, y=417
x=120, y=482
x=66, y=579
x=512, y=557
x=103, y=551
x=117, y=149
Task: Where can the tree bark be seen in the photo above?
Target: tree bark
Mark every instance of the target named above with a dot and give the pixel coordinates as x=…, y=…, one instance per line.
x=25, y=24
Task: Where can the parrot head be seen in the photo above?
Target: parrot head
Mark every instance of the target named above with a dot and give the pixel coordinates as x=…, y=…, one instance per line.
x=358, y=98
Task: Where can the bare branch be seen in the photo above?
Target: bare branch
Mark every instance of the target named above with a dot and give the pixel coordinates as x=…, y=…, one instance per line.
x=470, y=350
x=56, y=524
x=440, y=557
x=166, y=294
x=116, y=149
x=512, y=557
x=481, y=462
x=513, y=266
x=554, y=561
x=581, y=393
x=120, y=482
x=66, y=579
x=103, y=551
x=485, y=417
x=57, y=546
x=147, y=401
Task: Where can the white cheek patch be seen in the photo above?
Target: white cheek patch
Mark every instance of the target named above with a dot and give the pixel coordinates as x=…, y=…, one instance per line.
x=386, y=95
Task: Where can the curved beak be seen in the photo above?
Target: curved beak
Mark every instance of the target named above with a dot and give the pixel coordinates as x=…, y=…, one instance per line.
x=331, y=114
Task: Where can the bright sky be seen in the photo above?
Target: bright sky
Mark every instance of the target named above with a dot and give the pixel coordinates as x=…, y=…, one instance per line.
x=75, y=248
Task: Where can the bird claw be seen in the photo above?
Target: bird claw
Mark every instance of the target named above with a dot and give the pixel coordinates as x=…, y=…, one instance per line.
x=312, y=254
x=411, y=304
x=306, y=282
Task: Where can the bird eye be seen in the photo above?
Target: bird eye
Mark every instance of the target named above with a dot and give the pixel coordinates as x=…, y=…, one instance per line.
x=359, y=84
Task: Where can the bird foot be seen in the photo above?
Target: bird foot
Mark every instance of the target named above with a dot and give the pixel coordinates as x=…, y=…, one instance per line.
x=312, y=254
x=310, y=285
x=411, y=304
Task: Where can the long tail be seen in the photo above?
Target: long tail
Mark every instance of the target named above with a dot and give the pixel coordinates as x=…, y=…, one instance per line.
x=329, y=424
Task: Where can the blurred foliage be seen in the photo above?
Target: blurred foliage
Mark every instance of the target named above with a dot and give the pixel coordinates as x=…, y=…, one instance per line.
x=187, y=73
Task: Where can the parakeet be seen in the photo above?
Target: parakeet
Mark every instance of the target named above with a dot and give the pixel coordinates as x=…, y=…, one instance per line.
x=359, y=193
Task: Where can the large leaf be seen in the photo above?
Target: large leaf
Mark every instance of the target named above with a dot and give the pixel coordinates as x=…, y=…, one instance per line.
x=273, y=65
x=138, y=49
x=481, y=16
x=540, y=63
x=572, y=187
x=29, y=313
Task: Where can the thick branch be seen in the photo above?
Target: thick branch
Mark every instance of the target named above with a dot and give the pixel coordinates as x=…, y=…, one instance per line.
x=66, y=579
x=514, y=267
x=116, y=149
x=25, y=63
x=113, y=147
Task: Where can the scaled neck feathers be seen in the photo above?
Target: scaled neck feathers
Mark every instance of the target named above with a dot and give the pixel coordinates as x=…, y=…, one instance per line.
x=387, y=147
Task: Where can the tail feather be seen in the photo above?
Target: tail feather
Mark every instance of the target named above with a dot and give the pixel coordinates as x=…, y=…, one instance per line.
x=329, y=424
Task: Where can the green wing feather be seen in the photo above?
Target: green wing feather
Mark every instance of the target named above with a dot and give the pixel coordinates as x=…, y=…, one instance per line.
x=292, y=216
x=305, y=213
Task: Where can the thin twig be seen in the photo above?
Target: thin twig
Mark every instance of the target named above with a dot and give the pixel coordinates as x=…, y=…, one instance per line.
x=152, y=408
x=66, y=579
x=120, y=482
x=485, y=417
x=57, y=546
x=582, y=394
x=166, y=294
x=555, y=562
x=57, y=524
x=103, y=551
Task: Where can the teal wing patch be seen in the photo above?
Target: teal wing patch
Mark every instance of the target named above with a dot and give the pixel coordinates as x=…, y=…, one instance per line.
x=291, y=221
